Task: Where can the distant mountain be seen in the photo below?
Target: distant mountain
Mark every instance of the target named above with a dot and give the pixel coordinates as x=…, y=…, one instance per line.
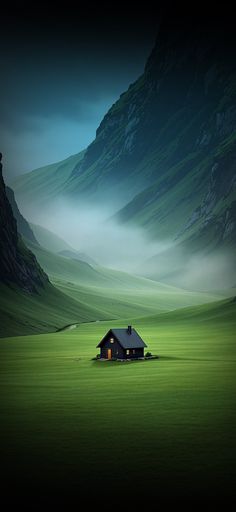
x=165, y=153
x=50, y=240
x=58, y=245
x=19, y=266
x=75, y=255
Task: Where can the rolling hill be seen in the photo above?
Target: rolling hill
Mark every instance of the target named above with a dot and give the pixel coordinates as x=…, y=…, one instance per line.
x=49, y=240
x=114, y=292
x=50, y=310
x=220, y=311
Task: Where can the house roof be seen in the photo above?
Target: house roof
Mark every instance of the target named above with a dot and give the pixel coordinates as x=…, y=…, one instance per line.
x=125, y=339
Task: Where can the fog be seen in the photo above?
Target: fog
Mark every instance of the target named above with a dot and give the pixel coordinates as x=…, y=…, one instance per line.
x=209, y=272
x=193, y=270
x=92, y=230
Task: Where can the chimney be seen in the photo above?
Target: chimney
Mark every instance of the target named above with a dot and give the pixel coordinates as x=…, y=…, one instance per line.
x=129, y=329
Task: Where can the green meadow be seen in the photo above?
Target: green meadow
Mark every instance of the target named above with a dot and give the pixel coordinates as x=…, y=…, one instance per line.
x=82, y=293
x=74, y=426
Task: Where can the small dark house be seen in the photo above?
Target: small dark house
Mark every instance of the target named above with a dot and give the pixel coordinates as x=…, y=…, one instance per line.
x=122, y=344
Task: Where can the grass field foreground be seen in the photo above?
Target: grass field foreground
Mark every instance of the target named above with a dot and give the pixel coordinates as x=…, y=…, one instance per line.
x=69, y=424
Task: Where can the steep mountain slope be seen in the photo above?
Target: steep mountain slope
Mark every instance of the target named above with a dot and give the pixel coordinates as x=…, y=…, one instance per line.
x=167, y=147
x=198, y=205
x=170, y=128
x=40, y=186
x=19, y=266
x=23, y=226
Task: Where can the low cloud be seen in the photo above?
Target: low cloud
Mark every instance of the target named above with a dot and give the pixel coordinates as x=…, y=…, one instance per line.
x=214, y=271
x=197, y=270
x=90, y=230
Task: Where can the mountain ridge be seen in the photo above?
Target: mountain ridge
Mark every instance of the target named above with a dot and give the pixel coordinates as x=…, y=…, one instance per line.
x=164, y=156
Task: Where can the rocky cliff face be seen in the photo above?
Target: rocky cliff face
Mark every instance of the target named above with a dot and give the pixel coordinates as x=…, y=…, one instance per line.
x=23, y=226
x=182, y=105
x=19, y=266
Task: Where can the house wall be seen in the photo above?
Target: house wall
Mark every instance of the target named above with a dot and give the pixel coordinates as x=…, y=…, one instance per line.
x=139, y=352
x=117, y=351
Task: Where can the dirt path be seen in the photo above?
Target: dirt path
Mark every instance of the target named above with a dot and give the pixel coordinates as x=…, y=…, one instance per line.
x=68, y=327
x=74, y=326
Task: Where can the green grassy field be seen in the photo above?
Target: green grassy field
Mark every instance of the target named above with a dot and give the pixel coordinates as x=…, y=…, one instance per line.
x=72, y=426
x=83, y=293
x=48, y=311
x=116, y=293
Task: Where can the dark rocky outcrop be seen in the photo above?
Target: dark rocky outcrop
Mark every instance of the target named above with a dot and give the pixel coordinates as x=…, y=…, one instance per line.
x=19, y=266
x=23, y=226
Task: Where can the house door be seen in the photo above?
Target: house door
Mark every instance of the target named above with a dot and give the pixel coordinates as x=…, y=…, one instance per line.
x=109, y=353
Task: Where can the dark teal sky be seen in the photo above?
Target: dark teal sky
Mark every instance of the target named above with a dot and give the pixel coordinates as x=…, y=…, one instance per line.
x=60, y=74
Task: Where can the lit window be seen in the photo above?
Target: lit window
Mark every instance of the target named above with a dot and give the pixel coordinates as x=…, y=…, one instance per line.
x=127, y=352
x=111, y=340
